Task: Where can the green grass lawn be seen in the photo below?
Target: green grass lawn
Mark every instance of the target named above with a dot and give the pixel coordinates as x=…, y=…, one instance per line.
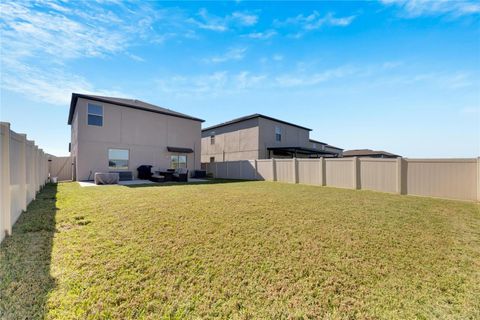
x=243, y=250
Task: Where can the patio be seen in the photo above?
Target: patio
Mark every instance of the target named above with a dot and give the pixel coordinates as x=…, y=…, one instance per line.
x=136, y=182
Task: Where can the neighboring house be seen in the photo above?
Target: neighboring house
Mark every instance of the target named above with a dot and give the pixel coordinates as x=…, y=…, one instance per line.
x=115, y=134
x=258, y=137
x=335, y=150
x=369, y=153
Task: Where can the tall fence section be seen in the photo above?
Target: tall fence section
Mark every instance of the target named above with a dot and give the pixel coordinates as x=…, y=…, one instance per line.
x=60, y=167
x=23, y=172
x=442, y=178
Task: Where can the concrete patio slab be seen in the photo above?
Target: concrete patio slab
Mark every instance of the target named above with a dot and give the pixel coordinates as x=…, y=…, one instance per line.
x=133, y=182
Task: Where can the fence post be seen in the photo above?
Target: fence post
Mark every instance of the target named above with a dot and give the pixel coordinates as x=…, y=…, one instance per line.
x=401, y=176
x=35, y=169
x=356, y=173
x=32, y=169
x=274, y=170
x=295, y=170
x=23, y=171
x=5, y=205
x=323, y=172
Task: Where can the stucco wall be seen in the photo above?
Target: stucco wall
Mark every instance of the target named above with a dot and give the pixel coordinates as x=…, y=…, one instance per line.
x=291, y=136
x=238, y=141
x=250, y=139
x=145, y=134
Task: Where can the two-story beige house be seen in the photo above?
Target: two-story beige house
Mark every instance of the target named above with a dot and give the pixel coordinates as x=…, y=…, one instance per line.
x=115, y=134
x=259, y=137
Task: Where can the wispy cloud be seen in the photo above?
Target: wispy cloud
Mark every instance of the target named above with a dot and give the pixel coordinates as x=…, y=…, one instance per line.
x=379, y=75
x=208, y=21
x=267, y=34
x=277, y=57
x=245, y=19
x=54, y=87
x=314, y=21
x=312, y=79
x=234, y=54
x=40, y=38
x=417, y=8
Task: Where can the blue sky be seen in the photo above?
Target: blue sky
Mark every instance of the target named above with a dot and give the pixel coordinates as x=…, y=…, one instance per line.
x=396, y=75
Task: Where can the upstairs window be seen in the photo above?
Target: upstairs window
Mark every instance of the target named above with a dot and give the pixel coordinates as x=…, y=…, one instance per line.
x=278, y=134
x=212, y=159
x=95, y=115
x=212, y=139
x=118, y=159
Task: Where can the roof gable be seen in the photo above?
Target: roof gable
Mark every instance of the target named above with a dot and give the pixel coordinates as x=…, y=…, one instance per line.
x=253, y=116
x=129, y=103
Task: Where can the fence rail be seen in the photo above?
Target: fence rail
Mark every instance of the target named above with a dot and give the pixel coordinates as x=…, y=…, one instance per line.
x=442, y=178
x=23, y=172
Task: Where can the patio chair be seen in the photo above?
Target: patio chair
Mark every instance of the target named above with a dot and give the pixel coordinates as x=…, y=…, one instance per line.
x=156, y=176
x=180, y=174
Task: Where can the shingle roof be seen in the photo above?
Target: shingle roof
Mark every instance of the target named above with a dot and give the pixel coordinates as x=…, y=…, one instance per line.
x=367, y=152
x=253, y=116
x=129, y=103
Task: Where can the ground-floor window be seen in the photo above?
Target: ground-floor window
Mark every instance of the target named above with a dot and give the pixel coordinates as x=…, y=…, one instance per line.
x=212, y=159
x=118, y=159
x=178, y=161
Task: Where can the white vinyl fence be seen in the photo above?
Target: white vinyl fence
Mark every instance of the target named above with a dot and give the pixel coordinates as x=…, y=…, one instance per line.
x=23, y=172
x=442, y=178
x=60, y=167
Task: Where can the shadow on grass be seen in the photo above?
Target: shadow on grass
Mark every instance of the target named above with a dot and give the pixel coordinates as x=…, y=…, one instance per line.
x=173, y=183
x=25, y=259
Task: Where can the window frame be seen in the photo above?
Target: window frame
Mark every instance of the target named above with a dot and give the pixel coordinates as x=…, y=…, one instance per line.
x=278, y=128
x=117, y=168
x=93, y=114
x=212, y=139
x=178, y=155
x=212, y=159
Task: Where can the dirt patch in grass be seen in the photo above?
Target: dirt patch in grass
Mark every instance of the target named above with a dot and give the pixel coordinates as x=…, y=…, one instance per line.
x=243, y=250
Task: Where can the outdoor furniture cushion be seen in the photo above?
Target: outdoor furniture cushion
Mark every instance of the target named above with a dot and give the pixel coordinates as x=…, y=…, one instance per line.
x=106, y=178
x=157, y=178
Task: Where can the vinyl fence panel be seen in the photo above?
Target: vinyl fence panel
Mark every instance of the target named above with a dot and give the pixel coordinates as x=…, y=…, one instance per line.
x=23, y=172
x=284, y=170
x=265, y=170
x=378, y=174
x=444, y=178
x=60, y=167
x=340, y=173
x=310, y=171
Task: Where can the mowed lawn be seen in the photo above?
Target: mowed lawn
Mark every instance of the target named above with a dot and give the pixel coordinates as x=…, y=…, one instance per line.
x=240, y=250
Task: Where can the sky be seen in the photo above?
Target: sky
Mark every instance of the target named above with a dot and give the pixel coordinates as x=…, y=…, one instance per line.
x=395, y=75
